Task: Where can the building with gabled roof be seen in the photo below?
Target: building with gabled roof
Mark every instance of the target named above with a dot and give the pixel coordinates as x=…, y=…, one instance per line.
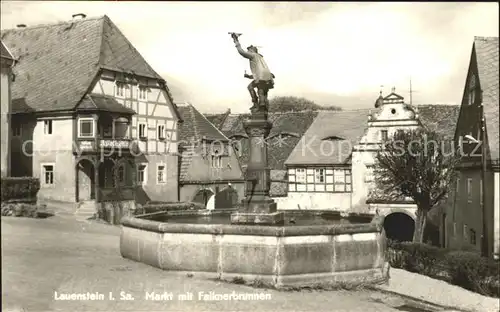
x=474, y=207
x=91, y=116
x=288, y=128
x=332, y=166
x=6, y=62
x=209, y=172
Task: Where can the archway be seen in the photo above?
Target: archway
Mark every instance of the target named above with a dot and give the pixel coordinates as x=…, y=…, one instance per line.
x=227, y=198
x=399, y=226
x=86, y=180
x=206, y=198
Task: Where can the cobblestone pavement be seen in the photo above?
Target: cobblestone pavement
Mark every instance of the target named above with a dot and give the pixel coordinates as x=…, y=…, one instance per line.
x=43, y=256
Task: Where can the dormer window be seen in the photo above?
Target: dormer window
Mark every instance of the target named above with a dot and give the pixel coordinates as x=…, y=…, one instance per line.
x=471, y=96
x=142, y=93
x=332, y=138
x=16, y=129
x=120, y=90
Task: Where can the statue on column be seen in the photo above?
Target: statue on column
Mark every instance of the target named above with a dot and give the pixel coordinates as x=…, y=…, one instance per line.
x=262, y=78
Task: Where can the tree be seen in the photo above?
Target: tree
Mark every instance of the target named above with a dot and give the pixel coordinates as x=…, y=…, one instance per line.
x=294, y=104
x=418, y=164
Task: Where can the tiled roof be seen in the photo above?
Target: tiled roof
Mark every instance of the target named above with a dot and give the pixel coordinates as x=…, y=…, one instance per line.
x=345, y=129
x=57, y=63
x=348, y=126
x=4, y=52
x=99, y=102
x=440, y=118
x=292, y=125
x=486, y=49
x=196, y=126
x=218, y=120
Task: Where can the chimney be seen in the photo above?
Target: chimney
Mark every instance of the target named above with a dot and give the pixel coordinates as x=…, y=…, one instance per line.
x=21, y=25
x=78, y=16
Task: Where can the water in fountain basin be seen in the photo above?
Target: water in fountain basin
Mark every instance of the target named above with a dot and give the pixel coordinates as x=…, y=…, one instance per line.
x=291, y=218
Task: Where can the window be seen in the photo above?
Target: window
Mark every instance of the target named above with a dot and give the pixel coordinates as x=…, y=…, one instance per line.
x=47, y=126
x=120, y=90
x=319, y=176
x=16, y=129
x=454, y=229
x=465, y=232
x=400, y=133
x=86, y=128
x=161, y=132
x=216, y=161
x=342, y=180
x=472, y=236
x=300, y=175
x=142, y=93
x=142, y=175
x=142, y=130
x=161, y=176
x=384, y=135
x=469, y=190
x=457, y=190
x=48, y=174
x=471, y=98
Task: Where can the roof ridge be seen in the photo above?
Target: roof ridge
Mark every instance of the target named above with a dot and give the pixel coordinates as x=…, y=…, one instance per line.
x=56, y=24
x=485, y=38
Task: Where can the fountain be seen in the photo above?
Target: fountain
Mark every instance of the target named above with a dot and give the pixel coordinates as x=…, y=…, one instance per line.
x=258, y=242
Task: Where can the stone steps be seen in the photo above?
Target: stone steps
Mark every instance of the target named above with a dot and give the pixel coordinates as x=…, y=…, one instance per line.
x=85, y=210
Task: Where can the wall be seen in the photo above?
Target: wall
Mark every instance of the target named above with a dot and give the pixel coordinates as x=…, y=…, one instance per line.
x=56, y=149
x=189, y=191
x=465, y=210
x=200, y=166
x=153, y=111
x=22, y=146
x=5, y=102
x=316, y=201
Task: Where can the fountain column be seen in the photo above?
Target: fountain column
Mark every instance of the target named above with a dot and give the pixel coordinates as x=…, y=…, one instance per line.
x=258, y=207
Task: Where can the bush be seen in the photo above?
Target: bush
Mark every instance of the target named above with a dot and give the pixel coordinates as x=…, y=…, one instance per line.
x=416, y=257
x=158, y=206
x=473, y=272
x=462, y=268
x=20, y=210
x=22, y=188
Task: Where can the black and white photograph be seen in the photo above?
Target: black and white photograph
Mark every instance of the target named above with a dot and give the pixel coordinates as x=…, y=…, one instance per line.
x=250, y=156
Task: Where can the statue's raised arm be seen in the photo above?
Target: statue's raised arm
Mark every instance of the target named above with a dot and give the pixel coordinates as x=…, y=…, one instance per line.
x=263, y=79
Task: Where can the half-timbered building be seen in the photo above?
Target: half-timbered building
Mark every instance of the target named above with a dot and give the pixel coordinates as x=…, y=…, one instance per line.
x=91, y=118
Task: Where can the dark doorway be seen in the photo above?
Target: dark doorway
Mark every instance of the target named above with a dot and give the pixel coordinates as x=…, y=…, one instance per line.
x=399, y=227
x=226, y=199
x=204, y=197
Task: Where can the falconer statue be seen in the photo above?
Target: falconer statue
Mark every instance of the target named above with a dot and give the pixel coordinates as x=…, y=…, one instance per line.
x=262, y=78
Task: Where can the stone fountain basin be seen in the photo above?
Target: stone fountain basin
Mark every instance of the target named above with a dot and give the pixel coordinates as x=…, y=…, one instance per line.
x=280, y=256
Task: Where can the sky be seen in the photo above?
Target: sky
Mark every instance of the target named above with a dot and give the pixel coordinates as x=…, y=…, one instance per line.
x=333, y=53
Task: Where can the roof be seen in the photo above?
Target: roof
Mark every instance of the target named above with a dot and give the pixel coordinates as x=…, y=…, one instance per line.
x=291, y=126
x=439, y=118
x=330, y=138
x=333, y=134
x=486, y=49
x=4, y=51
x=98, y=102
x=57, y=63
x=196, y=126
